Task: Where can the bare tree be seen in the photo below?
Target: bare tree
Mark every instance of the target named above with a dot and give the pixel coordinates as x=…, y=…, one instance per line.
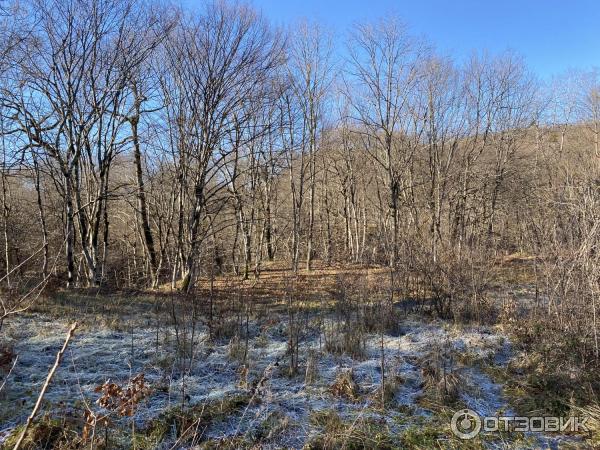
x=73, y=77
x=310, y=71
x=218, y=62
x=383, y=73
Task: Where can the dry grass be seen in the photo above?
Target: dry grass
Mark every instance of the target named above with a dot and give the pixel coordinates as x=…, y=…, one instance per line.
x=236, y=348
x=441, y=382
x=190, y=423
x=363, y=433
x=340, y=340
x=345, y=386
x=391, y=386
x=49, y=433
x=311, y=373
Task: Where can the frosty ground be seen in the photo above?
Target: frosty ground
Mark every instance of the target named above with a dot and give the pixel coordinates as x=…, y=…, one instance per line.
x=248, y=392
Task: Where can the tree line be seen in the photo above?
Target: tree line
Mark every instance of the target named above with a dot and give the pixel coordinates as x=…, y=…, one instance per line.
x=145, y=145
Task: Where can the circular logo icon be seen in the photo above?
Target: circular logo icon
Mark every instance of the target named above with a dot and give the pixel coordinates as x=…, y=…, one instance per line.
x=466, y=424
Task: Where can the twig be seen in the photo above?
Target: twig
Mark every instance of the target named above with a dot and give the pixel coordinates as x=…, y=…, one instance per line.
x=7, y=311
x=9, y=372
x=265, y=377
x=59, y=356
x=195, y=424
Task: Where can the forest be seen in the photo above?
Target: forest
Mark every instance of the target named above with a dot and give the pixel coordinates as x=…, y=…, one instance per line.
x=221, y=233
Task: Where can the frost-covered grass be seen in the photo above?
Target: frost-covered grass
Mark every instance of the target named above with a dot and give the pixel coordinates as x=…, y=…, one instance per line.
x=204, y=391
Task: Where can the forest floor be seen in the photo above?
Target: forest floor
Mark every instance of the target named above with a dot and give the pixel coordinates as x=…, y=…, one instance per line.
x=231, y=385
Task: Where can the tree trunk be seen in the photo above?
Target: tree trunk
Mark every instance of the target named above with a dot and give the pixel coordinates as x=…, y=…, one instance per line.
x=69, y=231
x=142, y=203
x=41, y=215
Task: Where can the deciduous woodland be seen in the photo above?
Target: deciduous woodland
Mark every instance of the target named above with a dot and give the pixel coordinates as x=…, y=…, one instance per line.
x=283, y=238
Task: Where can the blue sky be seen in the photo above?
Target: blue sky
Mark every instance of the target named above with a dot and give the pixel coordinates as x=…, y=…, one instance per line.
x=552, y=35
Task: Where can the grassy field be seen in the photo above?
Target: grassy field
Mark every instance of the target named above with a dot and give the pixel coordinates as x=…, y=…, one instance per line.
x=279, y=362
